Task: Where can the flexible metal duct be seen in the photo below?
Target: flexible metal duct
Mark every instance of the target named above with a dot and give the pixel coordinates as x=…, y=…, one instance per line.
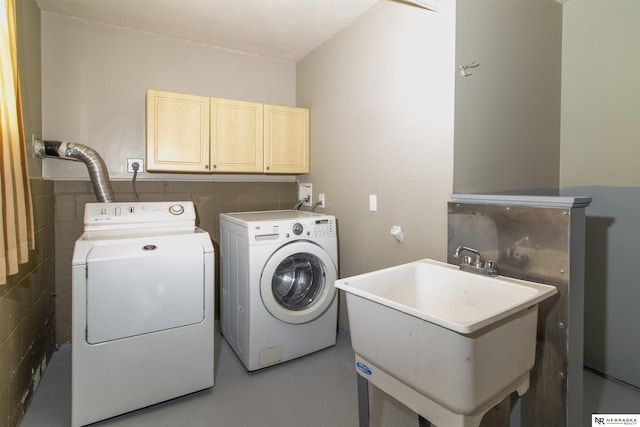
x=95, y=165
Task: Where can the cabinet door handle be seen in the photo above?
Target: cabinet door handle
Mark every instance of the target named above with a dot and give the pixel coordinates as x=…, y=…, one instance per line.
x=268, y=168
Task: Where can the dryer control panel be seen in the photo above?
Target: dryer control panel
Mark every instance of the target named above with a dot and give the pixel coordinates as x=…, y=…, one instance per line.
x=136, y=215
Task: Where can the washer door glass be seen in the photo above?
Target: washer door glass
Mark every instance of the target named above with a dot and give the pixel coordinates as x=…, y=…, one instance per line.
x=298, y=281
x=297, y=284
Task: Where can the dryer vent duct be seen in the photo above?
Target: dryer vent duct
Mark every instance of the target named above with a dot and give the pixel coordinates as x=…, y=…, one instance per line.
x=71, y=151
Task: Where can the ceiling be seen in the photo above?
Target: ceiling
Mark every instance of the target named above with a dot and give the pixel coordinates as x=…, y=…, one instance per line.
x=282, y=29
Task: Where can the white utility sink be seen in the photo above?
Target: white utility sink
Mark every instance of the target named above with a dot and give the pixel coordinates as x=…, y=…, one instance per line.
x=447, y=343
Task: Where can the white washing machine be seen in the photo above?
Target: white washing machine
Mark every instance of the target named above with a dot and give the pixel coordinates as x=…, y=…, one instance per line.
x=142, y=308
x=278, y=300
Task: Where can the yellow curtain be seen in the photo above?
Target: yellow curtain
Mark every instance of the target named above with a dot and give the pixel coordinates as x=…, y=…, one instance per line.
x=16, y=215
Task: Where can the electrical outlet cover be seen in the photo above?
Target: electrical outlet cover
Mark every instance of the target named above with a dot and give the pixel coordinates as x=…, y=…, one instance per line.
x=130, y=163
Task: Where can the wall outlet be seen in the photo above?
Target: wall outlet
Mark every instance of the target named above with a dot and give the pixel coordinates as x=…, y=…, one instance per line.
x=321, y=200
x=305, y=193
x=130, y=163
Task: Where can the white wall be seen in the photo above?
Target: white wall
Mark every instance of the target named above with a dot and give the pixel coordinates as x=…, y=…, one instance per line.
x=600, y=157
x=30, y=77
x=601, y=93
x=94, y=78
x=381, y=99
x=507, y=135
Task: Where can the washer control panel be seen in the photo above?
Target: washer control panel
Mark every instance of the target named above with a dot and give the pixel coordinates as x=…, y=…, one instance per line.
x=290, y=229
x=324, y=227
x=128, y=215
x=297, y=228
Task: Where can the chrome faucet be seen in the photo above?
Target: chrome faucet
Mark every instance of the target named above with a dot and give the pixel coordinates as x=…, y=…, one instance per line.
x=475, y=265
x=467, y=260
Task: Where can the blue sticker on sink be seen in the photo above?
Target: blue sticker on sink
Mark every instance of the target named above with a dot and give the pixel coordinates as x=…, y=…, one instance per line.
x=363, y=368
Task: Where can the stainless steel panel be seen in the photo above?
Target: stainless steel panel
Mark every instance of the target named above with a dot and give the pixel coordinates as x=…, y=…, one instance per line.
x=536, y=244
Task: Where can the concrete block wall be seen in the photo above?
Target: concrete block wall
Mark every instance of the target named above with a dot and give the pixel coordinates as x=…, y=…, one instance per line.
x=27, y=314
x=210, y=199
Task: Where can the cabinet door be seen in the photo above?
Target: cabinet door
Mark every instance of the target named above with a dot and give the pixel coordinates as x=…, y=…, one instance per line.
x=236, y=136
x=177, y=132
x=286, y=139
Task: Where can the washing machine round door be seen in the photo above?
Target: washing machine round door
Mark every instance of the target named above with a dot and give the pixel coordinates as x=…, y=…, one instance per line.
x=297, y=283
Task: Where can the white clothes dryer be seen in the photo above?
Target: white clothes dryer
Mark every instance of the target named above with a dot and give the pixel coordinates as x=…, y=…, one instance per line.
x=142, y=308
x=278, y=300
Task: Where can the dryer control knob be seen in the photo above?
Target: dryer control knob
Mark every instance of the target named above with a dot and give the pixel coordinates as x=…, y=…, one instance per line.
x=176, y=209
x=297, y=228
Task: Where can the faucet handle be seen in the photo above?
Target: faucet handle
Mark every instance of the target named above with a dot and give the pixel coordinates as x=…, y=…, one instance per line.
x=490, y=266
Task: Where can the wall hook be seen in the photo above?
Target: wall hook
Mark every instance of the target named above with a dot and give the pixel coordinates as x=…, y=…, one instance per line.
x=463, y=68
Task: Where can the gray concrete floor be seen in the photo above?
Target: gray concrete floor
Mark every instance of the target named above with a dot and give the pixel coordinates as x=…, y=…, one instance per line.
x=315, y=390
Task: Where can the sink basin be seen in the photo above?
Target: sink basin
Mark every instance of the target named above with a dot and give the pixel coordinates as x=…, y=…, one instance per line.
x=447, y=343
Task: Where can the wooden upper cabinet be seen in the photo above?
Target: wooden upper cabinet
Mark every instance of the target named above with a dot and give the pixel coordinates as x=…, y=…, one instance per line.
x=177, y=132
x=286, y=139
x=190, y=133
x=236, y=136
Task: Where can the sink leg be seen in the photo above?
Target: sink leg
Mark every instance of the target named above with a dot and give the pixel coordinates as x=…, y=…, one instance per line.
x=363, y=405
x=363, y=401
x=519, y=410
x=423, y=422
